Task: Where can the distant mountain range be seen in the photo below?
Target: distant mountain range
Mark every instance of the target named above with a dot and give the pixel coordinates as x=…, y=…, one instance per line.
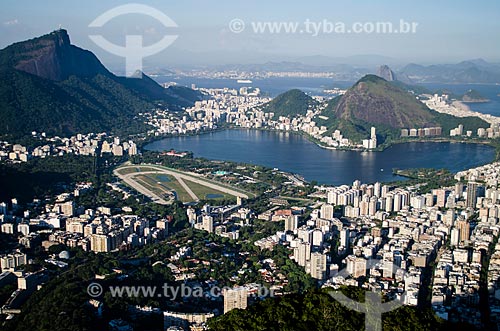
x=467, y=72
x=472, y=71
x=47, y=84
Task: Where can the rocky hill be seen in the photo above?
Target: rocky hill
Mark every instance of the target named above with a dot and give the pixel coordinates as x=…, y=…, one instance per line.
x=373, y=101
x=53, y=57
x=289, y=104
x=47, y=84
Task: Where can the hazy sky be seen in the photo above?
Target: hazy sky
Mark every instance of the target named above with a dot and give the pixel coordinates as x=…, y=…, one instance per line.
x=447, y=31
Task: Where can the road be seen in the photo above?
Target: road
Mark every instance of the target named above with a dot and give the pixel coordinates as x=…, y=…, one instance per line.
x=185, y=187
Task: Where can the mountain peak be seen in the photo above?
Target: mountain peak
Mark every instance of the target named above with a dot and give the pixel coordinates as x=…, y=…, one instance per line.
x=290, y=103
x=378, y=102
x=53, y=57
x=386, y=73
x=371, y=79
x=61, y=36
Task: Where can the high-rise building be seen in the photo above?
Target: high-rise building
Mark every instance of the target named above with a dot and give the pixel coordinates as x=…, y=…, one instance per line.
x=318, y=266
x=377, y=189
x=12, y=261
x=302, y=253
x=3, y=208
x=100, y=243
x=304, y=234
x=327, y=211
x=389, y=203
x=67, y=208
x=363, y=208
x=429, y=200
x=471, y=195
x=397, y=202
x=332, y=197
x=291, y=223
x=344, y=238
x=236, y=298
x=385, y=190
x=441, y=197
x=191, y=215
x=132, y=150
x=464, y=228
x=372, y=206
x=317, y=237
x=455, y=237
x=23, y=228
x=208, y=223
x=356, y=266
x=459, y=189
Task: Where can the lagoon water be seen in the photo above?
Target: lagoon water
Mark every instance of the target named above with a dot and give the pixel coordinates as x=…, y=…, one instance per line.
x=294, y=153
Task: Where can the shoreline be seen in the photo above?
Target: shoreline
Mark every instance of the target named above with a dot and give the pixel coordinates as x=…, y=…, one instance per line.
x=492, y=143
x=381, y=148
x=397, y=177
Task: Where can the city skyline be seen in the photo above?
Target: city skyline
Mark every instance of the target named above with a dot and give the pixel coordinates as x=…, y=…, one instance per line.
x=205, y=191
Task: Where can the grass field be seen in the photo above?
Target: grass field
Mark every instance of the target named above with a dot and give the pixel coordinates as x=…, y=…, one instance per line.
x=202, y=191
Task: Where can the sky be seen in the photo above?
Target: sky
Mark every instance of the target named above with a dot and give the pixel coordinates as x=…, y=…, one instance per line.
x=448, y=31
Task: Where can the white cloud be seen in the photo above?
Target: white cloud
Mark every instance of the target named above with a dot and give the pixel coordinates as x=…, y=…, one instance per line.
x=11, y=22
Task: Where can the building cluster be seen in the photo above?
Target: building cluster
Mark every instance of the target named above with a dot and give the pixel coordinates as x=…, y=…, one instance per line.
x=242, y=108
x=80, y=144
x=388, y=238
x=244, y=75
x=422, y=132
x=223, y=105
x=473, y=246
x=443, y=104
x=224, y=221
x=99, y=230
x=372, y=142
x=119, y=148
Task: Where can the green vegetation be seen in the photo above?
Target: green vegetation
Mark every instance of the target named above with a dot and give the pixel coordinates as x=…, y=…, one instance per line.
x=44, y=177
x=448, y=122
x=290, y=104
x=265, y=178
x=473, y=96
x=372, y=101
x=426, y=179
x=496, y=143
x=62, y=303
x=317, y=310
x=29, y=103
x=202, y=191
x=71, y=92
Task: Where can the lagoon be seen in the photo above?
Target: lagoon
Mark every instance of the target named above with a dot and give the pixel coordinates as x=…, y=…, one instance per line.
x=295, y=153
